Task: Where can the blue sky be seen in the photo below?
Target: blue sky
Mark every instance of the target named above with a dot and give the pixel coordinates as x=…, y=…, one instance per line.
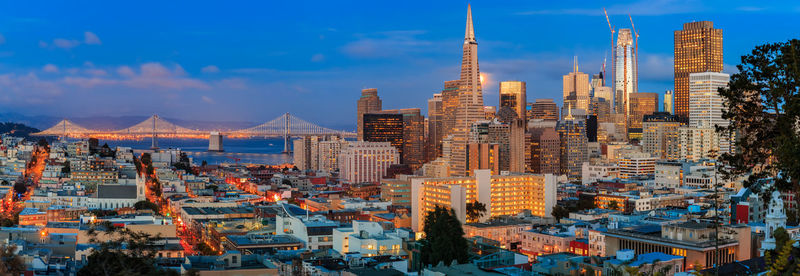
x=252, y=61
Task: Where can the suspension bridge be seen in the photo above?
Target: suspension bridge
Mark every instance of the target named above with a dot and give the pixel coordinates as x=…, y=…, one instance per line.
x=285, y=126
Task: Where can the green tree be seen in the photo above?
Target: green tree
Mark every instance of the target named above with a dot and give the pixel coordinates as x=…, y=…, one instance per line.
x=475, y=210
x=123, y=252
x=763, y=105
x=559, y=212
x=10, y=263
x=444, y=238
x=146, y=205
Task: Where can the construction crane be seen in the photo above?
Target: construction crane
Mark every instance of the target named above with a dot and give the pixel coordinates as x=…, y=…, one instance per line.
x=612, y=45
x=234, y=159
x=635, y=52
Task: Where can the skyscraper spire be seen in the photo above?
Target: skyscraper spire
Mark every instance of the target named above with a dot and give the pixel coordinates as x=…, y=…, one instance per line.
x=469, y=35
x=575, y=64
x=470, y=101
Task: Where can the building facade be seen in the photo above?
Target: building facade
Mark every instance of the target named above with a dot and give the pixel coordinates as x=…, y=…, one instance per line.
x=369, y=102
x=366, y=161
x=698, y=48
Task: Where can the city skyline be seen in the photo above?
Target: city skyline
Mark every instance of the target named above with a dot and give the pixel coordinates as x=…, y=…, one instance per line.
x=201, y=70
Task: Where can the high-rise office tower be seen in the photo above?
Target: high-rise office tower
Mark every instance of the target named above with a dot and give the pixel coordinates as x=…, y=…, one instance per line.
x=545, y=150
x=385, y=127
x=574, y=150
x=470, y=100
x=669, y=102
x=484, y=156
x=516, y=139
x=368, y=103
x=435, y=128
x=306, y=155
x=660, y=135
x=698, y=48
x=545, y=109
x=403, y=128
x=576, y=89
x=513, y=95
x=413, y=137
x=705, y=104
x=601, y=108
x=625, y=67
x=449, y=105
x=641, y=104
x=329, y=153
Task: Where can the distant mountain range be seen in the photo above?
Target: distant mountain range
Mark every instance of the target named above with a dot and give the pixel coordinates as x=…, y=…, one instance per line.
x=113, y=123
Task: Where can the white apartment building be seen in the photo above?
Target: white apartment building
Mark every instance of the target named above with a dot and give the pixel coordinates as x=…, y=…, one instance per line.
x=366, y=161
x=668, y=175
x=369, y=239
x=698, y=143
x=636, y=164
x=592, y=172
x=315, y=231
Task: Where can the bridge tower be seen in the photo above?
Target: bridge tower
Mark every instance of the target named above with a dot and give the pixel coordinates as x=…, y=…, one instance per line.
x=154, y=143
x=286, y=133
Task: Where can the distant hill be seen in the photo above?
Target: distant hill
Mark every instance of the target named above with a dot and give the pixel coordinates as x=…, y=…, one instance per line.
x=18, y=130
x=120, y=122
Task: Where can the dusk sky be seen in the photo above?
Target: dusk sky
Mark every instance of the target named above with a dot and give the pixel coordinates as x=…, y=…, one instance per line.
x=252, y=61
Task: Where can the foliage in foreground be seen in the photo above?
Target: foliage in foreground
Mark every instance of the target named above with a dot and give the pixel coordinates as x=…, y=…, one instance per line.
x=444, y=238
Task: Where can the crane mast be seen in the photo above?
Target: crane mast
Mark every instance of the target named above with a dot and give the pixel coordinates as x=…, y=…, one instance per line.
x=636, y=53
x=611, y=28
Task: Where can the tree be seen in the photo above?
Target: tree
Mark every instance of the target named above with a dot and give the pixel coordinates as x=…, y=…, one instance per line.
x=781, y=260
x=203, y=249
x=559, y=212
x=123, y=252
x=444, y=238
x=20, y=188
x=763, y=105
x=65, y=169
x=145, y=205
x=475, y=210
x=43, y=143
x=10, y=262
x=613, y=205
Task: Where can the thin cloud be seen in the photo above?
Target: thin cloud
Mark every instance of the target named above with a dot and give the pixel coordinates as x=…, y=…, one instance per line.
x=210, y=69
x=318, y=58
x=151, y=75
x=386, y=44
x=91, y=38
x=207, y=99
x=50, y=68
x=656, y=67
x=64, y=43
